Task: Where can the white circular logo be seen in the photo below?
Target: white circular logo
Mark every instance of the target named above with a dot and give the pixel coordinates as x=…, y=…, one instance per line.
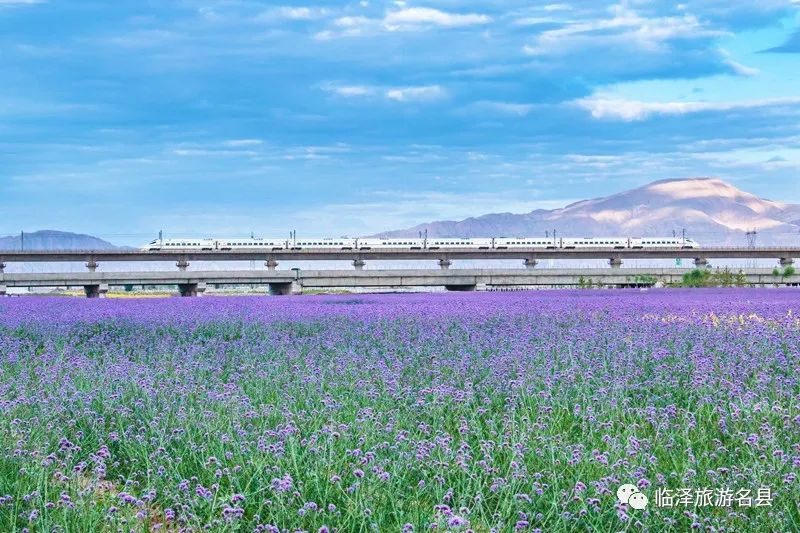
x=630, y=494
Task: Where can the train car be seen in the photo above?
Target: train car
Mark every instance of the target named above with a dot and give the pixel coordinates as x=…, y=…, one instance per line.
x=168, y=245
x=616, y=243
x=341, y=243
x=505, y=243
x=390, y=244
x=249, y=244
x=662, y=242
x=444, y=243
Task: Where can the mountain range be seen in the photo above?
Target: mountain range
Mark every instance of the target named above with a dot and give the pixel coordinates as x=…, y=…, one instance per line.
x=54, y=240
x=710, y=210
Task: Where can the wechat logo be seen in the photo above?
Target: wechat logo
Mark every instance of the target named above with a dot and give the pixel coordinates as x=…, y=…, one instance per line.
x=630, y=494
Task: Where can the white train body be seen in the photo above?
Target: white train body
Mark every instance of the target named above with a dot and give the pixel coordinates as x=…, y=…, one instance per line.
x=321, y=244
x=390, y=244
x=168, y=245
x=595, y=242
x=433, y=243
x=249, y=244
x=508, y=243
x=449, y=243
x=662, y=242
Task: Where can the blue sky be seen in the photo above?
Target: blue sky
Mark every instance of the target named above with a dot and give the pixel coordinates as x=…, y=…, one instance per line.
x=224, y=117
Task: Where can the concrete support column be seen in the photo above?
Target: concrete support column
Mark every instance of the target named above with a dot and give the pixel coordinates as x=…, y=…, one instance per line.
x=2, y=267
x=530, y=263
x=700, y=262
x=359, y=264
x=182, y=264
x=192, y=289
x=3, y=290
x=615, y=262
x=444, y=264
x=784, y=261
x=92, y=265
x=96, y=291
x=271, y=264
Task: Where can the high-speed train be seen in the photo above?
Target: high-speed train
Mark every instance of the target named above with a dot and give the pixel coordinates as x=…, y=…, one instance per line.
x=431, y=243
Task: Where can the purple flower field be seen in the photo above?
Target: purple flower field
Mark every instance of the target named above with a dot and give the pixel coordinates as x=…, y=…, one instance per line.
x=426, y=412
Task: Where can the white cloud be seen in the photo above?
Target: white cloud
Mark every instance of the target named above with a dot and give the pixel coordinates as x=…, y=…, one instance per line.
x=243, y=142
x=398, y=94
x=403, y=19
x=294, y=13
x=420, y=16
x=623, y=26
x=742, y=70
x=299, y=13
x=348, y=91
x=632, y=110
x=557, y=7
x=404, y=94
x=349, y=27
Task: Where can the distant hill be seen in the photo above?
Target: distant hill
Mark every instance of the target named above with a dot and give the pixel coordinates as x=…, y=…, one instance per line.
x=54, y=240
x=711, y=211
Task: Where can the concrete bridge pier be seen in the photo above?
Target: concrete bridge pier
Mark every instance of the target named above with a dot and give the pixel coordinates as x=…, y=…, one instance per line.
x=700, y=262
x=285, y=288
x=615, y=262
x=444, y=264
x=2, y=267
x=530, y=263
x=784, y=261
x=359, y=264
x=271, y=264
x=182, y=264
x=96, y=291
x=3, y=290
x=92, y=265
x=192, y=289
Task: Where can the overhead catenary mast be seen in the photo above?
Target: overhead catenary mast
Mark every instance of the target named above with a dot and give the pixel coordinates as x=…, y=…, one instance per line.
x=751, y=237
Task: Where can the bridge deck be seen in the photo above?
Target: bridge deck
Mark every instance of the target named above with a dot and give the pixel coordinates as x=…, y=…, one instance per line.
x=375, y=278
